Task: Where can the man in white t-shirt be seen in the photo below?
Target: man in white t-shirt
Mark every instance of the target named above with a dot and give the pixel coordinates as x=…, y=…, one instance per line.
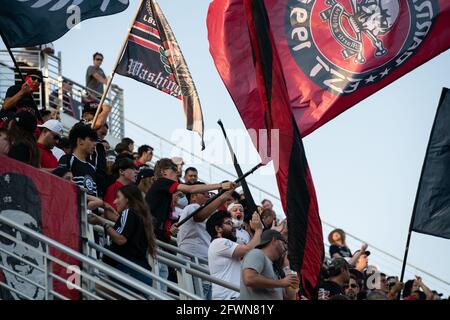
x=224, y=254
x=192, y=236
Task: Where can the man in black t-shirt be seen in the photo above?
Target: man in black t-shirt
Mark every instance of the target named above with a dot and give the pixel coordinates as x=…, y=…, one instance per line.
x=159, y=197
x=338, y=276
x=20, y=97
x=83, y=139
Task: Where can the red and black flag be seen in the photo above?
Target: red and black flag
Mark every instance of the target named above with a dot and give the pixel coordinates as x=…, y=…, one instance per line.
x=152, y=56
x=335, y=53
x=268, y=108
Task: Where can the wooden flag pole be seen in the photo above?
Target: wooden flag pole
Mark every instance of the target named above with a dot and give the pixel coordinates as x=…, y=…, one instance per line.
x=113, y=72
x=5, y=41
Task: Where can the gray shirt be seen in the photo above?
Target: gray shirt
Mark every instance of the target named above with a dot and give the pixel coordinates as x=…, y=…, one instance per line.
x=258, y=261
x=91, y=82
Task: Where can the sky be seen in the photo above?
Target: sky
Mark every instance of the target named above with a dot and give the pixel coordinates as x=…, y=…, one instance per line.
x=365, y=163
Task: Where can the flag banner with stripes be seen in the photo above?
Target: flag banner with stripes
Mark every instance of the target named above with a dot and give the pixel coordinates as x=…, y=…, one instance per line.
x=267, y=106
x=335, y=53
x=27, y=23
x=432, y=207
x=152, y=56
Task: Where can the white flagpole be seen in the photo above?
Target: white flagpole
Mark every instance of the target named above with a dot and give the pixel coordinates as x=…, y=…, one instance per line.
x=113, y=72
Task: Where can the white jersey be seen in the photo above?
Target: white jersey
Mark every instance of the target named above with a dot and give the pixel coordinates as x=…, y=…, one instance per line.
x=222, y=265
x=192, y=236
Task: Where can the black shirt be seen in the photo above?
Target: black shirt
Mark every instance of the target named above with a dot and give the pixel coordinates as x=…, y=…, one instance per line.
x=84, y=174
x=159, y=199
x=98, y=160
x=343, y=251
x=131, y=226
x=329, y=289
x=25, y=102
x=20, y=152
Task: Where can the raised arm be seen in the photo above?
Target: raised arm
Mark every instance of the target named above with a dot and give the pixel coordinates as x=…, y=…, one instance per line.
x=199, y=188
x=242, y=249
x=204, y=213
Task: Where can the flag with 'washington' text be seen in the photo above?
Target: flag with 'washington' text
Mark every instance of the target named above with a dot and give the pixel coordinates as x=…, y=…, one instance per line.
x=152, y=56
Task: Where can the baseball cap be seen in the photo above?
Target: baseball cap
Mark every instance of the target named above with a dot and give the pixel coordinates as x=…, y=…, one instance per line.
x=435, y=292
x=35, y=72
x=144, y=173
x=26, y=121
x=367, y=253
x=53, y=125
x=177, y=160
x=338, y=263
x=90, y=105
x=267, y=236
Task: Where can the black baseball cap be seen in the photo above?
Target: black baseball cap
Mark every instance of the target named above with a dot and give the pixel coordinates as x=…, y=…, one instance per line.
x=90, y=105
x=36, y=73
x=267, y=236
x=367, y=253
x=144, y=173
x=26, y=121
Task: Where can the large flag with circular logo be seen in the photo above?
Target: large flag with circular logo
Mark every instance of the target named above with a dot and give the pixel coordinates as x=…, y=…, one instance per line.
x=335, y=53
x=308, y=61
x=27, y=23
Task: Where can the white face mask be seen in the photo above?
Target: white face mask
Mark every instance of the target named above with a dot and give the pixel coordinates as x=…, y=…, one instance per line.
x=237, y=223
x=182, y=202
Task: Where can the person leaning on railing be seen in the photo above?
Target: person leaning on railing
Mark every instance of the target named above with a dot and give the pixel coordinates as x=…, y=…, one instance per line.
x=132, y=235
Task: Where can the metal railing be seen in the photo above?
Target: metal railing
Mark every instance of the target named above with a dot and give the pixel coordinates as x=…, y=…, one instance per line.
x=103, y=278
x=191, y=270
x=58, y=92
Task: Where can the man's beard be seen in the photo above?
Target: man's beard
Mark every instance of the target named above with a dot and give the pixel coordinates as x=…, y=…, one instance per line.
x=229, y=235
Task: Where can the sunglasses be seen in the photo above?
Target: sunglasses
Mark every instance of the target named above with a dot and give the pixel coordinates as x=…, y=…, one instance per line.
x=35, y=78
x=98, y=59
x=56, y=137
x=230, y=223
x=353, y=286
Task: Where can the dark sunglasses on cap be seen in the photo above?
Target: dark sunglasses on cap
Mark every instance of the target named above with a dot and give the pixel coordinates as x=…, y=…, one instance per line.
x=35, y=78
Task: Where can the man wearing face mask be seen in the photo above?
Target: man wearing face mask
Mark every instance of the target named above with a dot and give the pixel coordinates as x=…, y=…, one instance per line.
x=237, y=216
x=19, y=201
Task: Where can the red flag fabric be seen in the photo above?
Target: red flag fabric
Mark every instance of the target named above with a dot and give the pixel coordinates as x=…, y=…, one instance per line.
x=46, y=204
x=263, y=103
x=333, y=53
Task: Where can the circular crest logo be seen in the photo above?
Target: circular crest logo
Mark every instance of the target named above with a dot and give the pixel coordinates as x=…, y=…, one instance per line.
x=344, y=45
x=89, y=183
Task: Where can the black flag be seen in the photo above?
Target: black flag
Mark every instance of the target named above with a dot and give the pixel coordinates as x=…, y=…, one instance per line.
x=432, y=209
x=30, y=23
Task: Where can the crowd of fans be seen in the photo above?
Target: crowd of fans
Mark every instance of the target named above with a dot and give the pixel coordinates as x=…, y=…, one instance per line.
x=246, y=249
